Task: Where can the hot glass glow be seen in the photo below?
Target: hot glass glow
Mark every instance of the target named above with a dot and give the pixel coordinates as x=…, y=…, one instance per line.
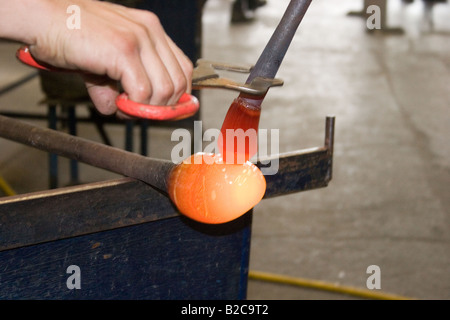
x=208, y=190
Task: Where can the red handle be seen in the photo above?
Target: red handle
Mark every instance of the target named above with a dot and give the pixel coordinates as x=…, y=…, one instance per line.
x=187, y=106
x=24, y=55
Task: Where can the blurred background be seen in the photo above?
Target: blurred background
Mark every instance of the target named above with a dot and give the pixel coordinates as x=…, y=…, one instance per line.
x=388, y=202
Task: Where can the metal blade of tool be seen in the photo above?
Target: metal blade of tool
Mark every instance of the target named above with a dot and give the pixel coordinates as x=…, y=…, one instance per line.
x=270, y=60
x=149, y=170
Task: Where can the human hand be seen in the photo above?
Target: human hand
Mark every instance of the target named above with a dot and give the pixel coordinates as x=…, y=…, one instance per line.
x=113, y=44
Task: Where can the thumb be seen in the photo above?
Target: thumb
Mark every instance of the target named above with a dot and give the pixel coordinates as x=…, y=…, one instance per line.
x=103, y=93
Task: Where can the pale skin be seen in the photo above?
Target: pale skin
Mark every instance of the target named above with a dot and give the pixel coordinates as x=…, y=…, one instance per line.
x=114, y=44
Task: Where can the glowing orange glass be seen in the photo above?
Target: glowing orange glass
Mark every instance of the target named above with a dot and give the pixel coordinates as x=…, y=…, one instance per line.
x=208, y=190
x=238, y=141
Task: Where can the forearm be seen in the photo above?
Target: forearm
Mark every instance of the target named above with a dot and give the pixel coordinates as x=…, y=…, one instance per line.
x=25, y=20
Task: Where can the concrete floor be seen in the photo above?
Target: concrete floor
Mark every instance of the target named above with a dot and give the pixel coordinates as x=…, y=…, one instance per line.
x=387, y=204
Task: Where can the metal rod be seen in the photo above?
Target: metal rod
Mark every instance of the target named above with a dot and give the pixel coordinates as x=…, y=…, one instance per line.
x=270, y=60
x=52, y=158
x=329, y=133
x=152, y=171
x=329, y=142
x=18, y=83
x=73, y=131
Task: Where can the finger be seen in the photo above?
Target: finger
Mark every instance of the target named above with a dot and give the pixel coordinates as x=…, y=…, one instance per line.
x=103, y=93
x=178, y=66
x=123, y=116
x=185, y=63
x=158, y=76
x=166, y=75
x=132, y=73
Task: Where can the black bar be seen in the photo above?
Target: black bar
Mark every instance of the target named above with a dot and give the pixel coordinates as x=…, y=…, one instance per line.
x=73, y=131
x=52, y=158
x=18, y=83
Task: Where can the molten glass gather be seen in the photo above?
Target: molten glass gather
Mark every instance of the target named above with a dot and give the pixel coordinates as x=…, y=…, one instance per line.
x=238, y=141
x=208, y=190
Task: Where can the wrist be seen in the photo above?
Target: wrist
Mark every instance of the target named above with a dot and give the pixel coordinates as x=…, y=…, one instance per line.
x=27, y=20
